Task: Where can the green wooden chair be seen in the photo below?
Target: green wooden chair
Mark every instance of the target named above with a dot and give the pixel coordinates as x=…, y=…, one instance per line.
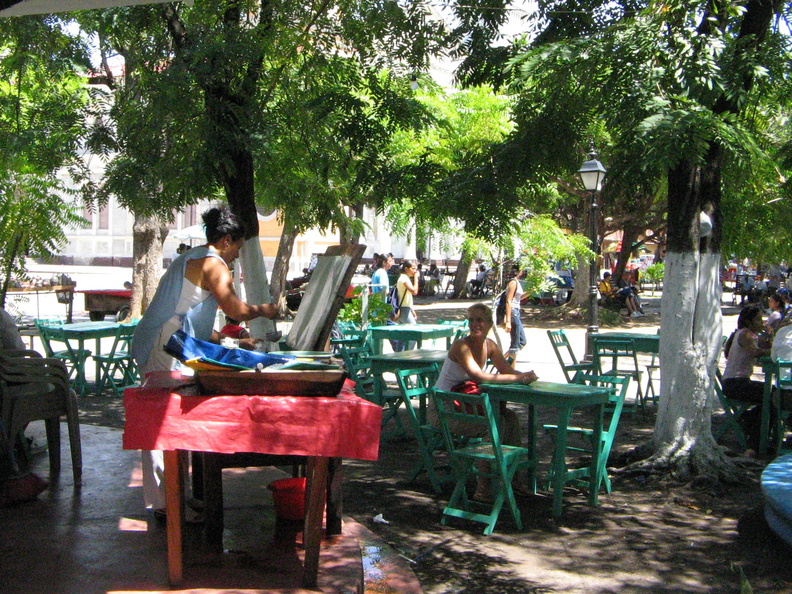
x=783, y=414
x=73, y=358
x=488, y=458
x=358, y=366
x=116, y=367
x=618, y=386
x=618, y=357
x=418, y=384
x=733, y=409
x=566, y=356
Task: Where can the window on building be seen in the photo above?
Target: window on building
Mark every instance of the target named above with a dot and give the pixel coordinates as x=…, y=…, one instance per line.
x=104, y=217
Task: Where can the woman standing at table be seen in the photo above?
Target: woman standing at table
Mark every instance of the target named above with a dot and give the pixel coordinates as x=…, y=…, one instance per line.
x=187, y=299
x=406, y=288
x=464, y=369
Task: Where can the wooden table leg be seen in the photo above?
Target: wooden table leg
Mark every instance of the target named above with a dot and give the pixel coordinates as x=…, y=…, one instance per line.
x=334, y=496
x=213, y=500
x=174, y=483
x=316, y=474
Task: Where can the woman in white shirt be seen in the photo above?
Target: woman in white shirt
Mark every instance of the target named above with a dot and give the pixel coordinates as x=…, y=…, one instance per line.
x=465, y=365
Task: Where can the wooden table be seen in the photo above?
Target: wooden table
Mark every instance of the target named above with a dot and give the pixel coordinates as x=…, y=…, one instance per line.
x=564, y=398
x=67, y=291
x=166, y=413
x=410, y=332
x=393, y=362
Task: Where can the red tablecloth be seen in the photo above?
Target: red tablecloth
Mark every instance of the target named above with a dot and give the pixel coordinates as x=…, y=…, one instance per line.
x=166, y=413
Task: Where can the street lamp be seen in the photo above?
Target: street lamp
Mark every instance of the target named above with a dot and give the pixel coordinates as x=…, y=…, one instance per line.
x=592, y=173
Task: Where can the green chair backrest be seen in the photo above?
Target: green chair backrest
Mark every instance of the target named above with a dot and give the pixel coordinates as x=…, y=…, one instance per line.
x=563, y=351
x=618, y=385
x=471, y=411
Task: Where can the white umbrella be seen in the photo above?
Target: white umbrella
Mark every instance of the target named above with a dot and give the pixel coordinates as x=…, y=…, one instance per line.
x=192, y=233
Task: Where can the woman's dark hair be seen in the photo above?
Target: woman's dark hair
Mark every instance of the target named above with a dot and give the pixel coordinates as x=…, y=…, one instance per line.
x=778, y=299
x=379, y=261
x=746, y=316
x=405, y=264
x=220, y=222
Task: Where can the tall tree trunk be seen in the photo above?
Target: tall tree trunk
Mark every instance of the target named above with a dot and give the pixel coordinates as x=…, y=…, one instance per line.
x=148, y=236
x=629, y=235
x=460, y=278
x=682, y=441
x=257, y=289
x=281, y=267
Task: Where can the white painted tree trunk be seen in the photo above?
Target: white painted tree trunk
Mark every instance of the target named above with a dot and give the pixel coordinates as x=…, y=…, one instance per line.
x=690, y=339
x=257, y=288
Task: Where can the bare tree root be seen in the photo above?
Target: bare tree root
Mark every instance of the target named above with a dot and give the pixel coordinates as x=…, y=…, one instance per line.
x=702, y=464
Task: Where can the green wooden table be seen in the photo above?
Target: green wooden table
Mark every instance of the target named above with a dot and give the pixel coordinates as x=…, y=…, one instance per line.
x=644, y=343
x=393, y=362
x=410, y=332
x=79, y=333
x=564, y=398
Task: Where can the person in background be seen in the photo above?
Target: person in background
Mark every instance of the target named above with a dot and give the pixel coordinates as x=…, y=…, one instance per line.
x=777, y=312
x=475, y=285
x=742, y=351
x=379, y=280
x=16, y=485
x=627, y=292
x=406, y=288
x=464, y=368
x=10, y=339
x=187, y=299
x=512, y=321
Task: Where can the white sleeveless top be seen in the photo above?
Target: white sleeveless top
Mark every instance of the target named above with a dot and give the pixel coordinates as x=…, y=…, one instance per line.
x=191, y=295
x=452, y=374
x=739, y=363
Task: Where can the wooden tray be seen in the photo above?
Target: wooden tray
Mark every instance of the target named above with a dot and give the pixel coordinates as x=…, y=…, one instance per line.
x=271, y=383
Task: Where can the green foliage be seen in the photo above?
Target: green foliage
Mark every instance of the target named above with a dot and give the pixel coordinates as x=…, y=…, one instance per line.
x=378, y=309
x=543, y=244
x=654, y=273
x=32, y=219
x=42, y=109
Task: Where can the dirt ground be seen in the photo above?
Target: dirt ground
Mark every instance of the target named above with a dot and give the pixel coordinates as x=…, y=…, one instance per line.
x=648, y=535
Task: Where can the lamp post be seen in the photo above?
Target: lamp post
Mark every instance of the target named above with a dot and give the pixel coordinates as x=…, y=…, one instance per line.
x=592, y=173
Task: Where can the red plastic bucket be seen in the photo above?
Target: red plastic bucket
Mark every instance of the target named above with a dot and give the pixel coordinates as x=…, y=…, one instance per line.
x=288, y=495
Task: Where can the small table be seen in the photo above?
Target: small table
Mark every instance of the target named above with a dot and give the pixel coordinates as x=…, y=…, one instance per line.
x=410, y=332
x=83, y=331
x=644, y=343
x=166, y=413
x=393, y=362
x=564, y=398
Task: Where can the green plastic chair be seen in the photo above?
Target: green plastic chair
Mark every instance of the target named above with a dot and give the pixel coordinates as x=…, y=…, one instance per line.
x=618, y=385
x=566, y=356
x=117, y=361
x=501, y=462
x=73, y=358
x=418, y=384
